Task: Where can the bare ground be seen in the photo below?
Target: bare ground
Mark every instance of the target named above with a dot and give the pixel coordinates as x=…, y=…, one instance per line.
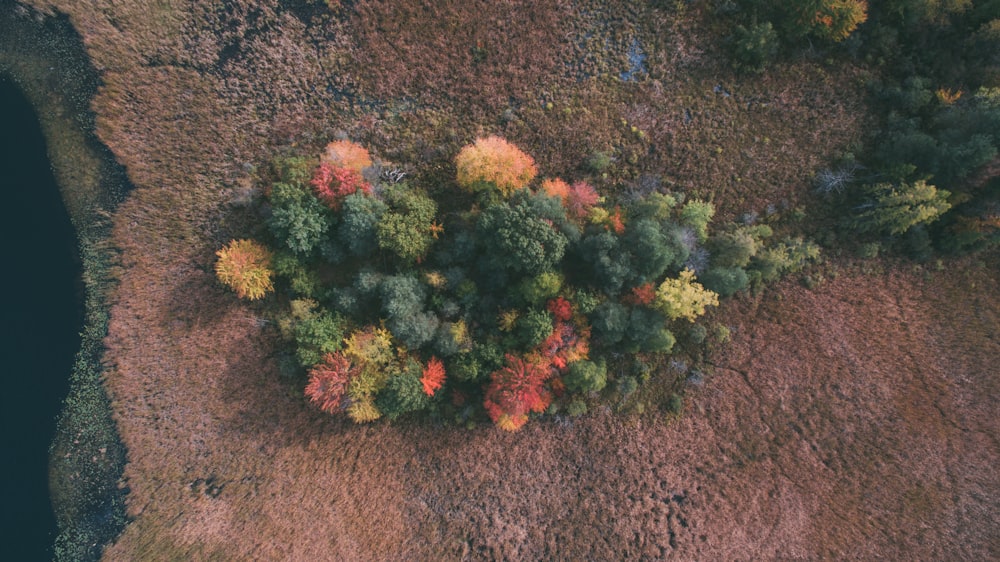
x=855, y=421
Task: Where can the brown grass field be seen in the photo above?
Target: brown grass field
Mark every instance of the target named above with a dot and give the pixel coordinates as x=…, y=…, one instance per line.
x=857, y=420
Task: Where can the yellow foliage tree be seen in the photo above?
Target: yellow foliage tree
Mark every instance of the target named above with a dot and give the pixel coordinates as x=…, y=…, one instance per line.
x=363, y=411
x=245, y=267
x=684, y=298
x=346, y=154
x=832, y=19
x=494, y=161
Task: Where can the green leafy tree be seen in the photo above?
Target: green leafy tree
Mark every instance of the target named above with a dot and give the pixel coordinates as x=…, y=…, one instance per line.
x=317, y=332
x=726, y=281
x=782, y=258
x=298, y=220
x=610, y=320
x=536, y=290
x=604, y=262
x=651, y=248
x=586, y=376
x=696, y=214
x=403, y=392
x=407, y=228
x=359, y=219
x=515, y=240
x=533, y=327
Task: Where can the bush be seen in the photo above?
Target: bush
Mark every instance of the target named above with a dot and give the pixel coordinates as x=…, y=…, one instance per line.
x=492, y=161
x=576, y=408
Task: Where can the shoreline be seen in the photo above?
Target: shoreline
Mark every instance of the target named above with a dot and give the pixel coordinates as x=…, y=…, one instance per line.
x=44, y=56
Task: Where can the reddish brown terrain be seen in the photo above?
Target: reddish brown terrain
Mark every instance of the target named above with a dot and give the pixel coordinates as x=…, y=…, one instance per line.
x=856, y=420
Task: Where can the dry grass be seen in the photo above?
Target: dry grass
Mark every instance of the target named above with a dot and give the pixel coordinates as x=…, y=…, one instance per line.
x=856, y=421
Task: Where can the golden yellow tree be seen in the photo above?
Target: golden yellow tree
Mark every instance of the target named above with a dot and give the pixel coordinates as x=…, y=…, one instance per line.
x=494, y=161
x=245, y=267
x=684, y=298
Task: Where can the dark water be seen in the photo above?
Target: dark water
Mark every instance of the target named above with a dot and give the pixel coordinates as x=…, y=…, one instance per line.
x=41, y=315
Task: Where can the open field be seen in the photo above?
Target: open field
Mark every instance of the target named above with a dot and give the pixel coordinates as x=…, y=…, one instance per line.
x=854, y=420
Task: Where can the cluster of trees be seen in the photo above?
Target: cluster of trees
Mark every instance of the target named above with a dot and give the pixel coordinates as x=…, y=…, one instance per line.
x=931, y=180
x=933, y=174
x=762, y=28
x=500, y=296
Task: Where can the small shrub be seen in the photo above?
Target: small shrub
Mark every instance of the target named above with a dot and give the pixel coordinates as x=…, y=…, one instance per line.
x=576, y=408
x=599, y=162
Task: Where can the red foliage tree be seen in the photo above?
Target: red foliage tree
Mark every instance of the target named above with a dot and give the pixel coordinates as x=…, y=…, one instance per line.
x=643, y=294
x=516, y=390
x=332, y=184
x=328, y=382
x=433, y=376
x=560, y=308
x=580, y=199
x=564, y=346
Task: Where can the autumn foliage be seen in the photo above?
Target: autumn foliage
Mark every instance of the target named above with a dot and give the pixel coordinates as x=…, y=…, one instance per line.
x=332, y=184
x=433, y=376
x=245, y=267
x=494, y=161
x=346, y=154
x=580, y=199
x=516, y=390
x=328, y=382
x=387, y=295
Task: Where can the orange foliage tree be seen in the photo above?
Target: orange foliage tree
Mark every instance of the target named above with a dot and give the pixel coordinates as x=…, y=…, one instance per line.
x=516, y=390
x=494, y=161
x=433, y=376
x=245, y=267
x=346, y=154
x=556, y=188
